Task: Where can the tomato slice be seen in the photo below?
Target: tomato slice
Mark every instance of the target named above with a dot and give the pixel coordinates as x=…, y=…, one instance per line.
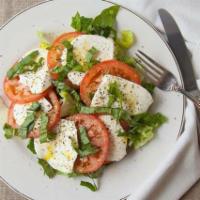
x=54, y=114
x=99, y=137
x=93, y=77
x=55, y=52
x=19, y=93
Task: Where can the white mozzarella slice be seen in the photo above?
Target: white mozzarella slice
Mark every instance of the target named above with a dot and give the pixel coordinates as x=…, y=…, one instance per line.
x=136, y=99
x=60, y=153
x=118, y=144
x=38, y=81
x=20, y=110
x=76, y=77
x=82, y=44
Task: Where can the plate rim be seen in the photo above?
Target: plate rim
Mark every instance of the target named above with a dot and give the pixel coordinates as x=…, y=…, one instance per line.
x=134, y=13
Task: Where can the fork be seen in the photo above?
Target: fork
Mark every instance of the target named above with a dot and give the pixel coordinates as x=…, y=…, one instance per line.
x=162, y=78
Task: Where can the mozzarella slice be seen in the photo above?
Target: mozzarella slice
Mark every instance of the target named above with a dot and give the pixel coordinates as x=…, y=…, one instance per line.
x=136, y=99
x=76, y=77
x=118, y=144
x=82, y=44
x=38, y=81
x=20, y=110
x=60, y=153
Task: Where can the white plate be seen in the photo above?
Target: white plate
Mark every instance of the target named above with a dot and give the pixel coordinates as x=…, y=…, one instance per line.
x=19, y=168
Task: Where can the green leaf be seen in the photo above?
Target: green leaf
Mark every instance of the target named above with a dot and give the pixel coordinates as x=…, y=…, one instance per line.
x=44, y=44
x=62, y=88
x=90, y=56
x=127, y=39
x=48, y=170
x=27, y=125
x=148, y=86
x=9, y=132
x=89, y=185
x=43, y=128
x=31, y=146
x=81, y=24
x=107, y=17
x=35, y=106
x=97, y=173
x=142, y=128
x=103, y=24
x=27, y=63
x=86, y=148
x=73, y=174
x=115, y=94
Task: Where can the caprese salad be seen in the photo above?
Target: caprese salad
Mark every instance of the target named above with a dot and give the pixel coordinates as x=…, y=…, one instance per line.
x=81, y=100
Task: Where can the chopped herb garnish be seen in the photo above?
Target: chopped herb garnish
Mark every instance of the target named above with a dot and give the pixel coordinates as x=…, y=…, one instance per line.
x=45, y=135
x=27, y=63
x=91, y=186
x=86, y=148
x=27, y=125
x=35, y=106
x=115, y=94
x=9, y=131
x=90, y=57
x=48, y=170
x=62, y=88
x=31, y=146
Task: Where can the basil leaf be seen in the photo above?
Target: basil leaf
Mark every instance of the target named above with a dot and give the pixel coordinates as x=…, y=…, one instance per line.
x=115, y=94
x=103, y=24
x=9, y=131
x=81, y=24
x=27, y=125
x=89, y=185
x=86, y=148
x=148, y=86
x=31, y=146
x=90, y=56
x=62, y=88
x=73, y=174
x=48, y=170
x=43, y=128
x=26, y=64
x=35, y=106
x=107, y=17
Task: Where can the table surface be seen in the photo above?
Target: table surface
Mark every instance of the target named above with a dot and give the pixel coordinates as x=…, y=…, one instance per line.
x=7, y=9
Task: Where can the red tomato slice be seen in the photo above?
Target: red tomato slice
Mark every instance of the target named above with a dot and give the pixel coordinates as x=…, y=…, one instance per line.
x=55, y=52
x=19, y=93
x=54, y=114
x=99, y=137
x=93, y=77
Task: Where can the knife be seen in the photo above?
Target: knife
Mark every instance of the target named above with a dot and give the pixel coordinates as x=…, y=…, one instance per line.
x=177, y=44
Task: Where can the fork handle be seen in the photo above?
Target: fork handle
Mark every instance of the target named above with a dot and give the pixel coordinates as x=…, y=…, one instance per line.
x=194, y=99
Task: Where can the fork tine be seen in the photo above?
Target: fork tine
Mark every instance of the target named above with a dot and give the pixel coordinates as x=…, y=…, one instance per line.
x=148, y=67
x=156, y=64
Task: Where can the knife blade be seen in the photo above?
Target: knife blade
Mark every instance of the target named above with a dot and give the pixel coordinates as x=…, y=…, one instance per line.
x=177, y=44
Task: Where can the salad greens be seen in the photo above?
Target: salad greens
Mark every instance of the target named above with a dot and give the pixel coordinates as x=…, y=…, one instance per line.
x=9, y=131
x=44, y=44
x=103, y=24
x=142, y=128
x=127, y=39
x=26, y=64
